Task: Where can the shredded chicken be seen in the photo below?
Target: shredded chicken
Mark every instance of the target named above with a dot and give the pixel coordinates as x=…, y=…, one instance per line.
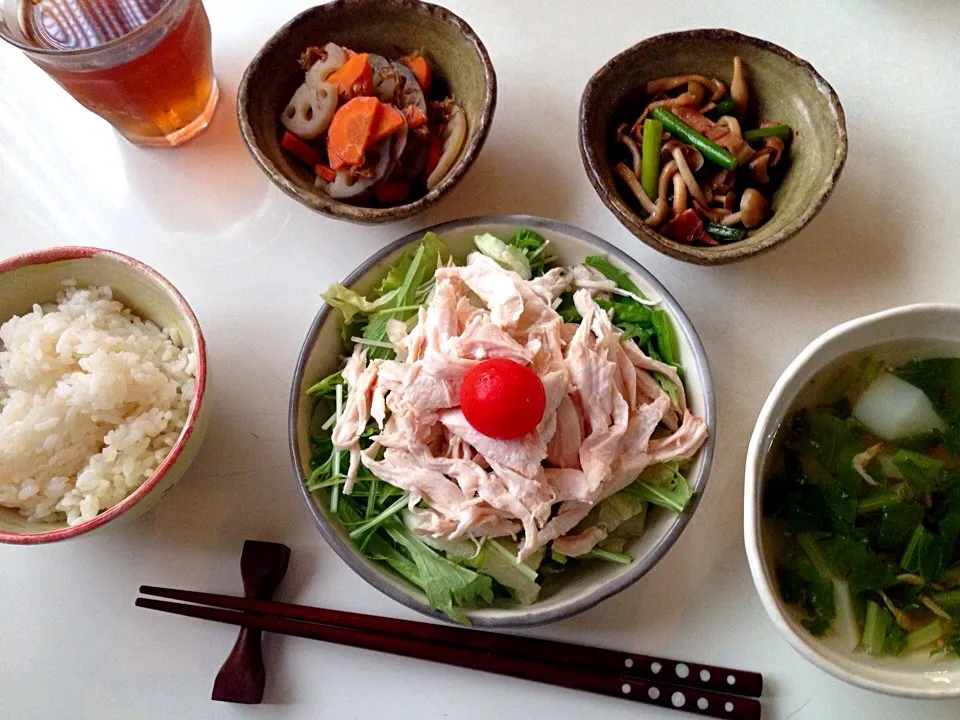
x=598, y=432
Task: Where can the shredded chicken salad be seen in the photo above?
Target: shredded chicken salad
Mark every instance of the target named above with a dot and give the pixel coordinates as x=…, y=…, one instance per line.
x=468, y=517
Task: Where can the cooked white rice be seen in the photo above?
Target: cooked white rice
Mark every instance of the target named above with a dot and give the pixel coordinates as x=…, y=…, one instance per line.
x=92, y=398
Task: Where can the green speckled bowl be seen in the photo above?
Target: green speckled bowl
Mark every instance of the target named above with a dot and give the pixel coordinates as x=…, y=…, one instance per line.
x=391, y=28
x=36, y=277
x=782, y=86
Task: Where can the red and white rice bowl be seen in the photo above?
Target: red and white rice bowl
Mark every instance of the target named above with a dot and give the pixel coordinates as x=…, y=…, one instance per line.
x=143, y=373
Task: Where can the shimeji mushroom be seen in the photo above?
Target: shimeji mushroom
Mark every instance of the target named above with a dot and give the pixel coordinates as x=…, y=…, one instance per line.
x=310, y=110
x=691, y=97
x=623, y=137
x=739, y=92
x=696, y=88
x=688, y=160
x=454, y=133
x=670, y=174
x=667, y=173
x=765, y=158
x=672, y=82
x=679, y=195
x=775, y=146
x=656, y=212
x=733, y=139
x=752, y=212
x=759, y=168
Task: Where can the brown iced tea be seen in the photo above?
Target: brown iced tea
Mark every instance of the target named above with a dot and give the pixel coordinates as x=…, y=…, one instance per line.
x=148, y=70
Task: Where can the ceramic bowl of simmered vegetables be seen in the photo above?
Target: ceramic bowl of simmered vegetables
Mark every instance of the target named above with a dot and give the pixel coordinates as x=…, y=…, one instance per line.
x=852, y=502
x=368, y=110
x=711, y=146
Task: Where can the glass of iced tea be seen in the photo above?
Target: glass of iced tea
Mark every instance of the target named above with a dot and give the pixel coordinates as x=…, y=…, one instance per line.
x=142, y=65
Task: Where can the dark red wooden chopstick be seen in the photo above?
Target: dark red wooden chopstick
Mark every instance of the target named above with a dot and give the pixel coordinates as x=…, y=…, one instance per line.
x=632, y=665
x=464, y=648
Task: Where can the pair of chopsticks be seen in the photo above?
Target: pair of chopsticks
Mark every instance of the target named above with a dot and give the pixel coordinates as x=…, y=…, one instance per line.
x=692, y=687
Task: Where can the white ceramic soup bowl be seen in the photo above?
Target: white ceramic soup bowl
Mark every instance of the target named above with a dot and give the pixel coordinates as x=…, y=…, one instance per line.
x=588, y=584
x=897, y=335
x=36, y=277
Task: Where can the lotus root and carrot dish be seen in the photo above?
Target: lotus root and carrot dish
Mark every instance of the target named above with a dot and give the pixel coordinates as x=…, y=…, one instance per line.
x=500, y=419
x=698, y=160
x=367, y=128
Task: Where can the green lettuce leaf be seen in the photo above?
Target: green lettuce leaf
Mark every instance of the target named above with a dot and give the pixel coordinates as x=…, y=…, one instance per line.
x=650, y=326
x=351, y=303
x=498, y=560
x=533, y=246
x=377, y=547
x=446, y=585
x=623, y=281
x=327, y=387
x=508, y=256
x=418, y=265
x=567, y=309
x=663, y=485
x=611, y=513
x=434, y=251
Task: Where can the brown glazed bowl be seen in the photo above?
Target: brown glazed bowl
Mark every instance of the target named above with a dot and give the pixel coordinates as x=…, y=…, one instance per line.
x=458, y=59
x=782, y=86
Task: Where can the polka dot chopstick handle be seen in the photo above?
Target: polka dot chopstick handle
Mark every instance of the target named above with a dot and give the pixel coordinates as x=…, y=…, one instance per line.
x=692, y=675
x=677, y=697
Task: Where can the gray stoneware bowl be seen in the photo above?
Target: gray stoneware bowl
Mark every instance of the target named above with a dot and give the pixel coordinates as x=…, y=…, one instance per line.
x=585, y=586
x=391, y=28
x=782, y=86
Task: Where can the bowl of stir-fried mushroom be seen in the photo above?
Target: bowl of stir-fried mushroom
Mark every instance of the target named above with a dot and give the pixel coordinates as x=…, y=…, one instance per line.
x=368, y=110
x=711, y=146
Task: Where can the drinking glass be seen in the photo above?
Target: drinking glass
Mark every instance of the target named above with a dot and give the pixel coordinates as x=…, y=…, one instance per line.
x=142, y=65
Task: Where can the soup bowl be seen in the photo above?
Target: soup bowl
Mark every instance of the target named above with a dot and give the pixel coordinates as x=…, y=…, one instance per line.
x=895, y=336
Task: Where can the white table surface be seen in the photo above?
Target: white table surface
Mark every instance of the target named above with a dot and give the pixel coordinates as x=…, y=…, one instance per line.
x=252, y=263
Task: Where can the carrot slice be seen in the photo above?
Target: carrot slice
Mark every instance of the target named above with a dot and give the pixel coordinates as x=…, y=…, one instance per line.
x=349, y=133
x=434, y=153
x=414, y=116
x=389, y=120
x=391, y=191
x=324, y=172
x=354, y=77
x=421, y=71
x=299, y=149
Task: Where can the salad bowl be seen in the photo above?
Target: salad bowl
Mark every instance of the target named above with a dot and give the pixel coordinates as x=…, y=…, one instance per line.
x=895, y=336
x=580, y=588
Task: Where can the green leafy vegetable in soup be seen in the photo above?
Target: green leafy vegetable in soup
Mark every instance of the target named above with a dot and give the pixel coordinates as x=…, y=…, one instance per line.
x=864, y=501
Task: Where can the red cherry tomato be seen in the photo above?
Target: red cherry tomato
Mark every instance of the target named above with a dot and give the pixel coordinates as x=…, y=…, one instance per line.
x=502, y=398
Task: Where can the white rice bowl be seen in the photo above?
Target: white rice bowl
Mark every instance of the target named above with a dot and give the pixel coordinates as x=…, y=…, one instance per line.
x=92, y=399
